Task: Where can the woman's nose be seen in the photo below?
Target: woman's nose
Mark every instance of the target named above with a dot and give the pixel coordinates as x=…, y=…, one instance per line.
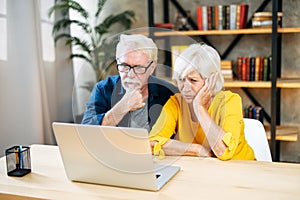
x=186, y=86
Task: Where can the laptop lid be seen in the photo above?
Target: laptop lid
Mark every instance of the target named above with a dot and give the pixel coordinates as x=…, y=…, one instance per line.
x=107, y=155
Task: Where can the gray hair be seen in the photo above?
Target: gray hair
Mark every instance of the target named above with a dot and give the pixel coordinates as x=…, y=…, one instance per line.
x=136, y=42
x=201, y=58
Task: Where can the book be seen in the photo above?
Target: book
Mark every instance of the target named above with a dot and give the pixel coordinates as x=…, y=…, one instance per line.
x=227, y=17
x=257, y=63
x=220, y=14
x=204, y=18
x=213, y=19
x=199, y=18
x=261, y=69
x=238, y=14
x=243, y=15
x=239, y=68
x=266, y=69
x=252, y=69
x=244, y=69
x=216, y=19
x=232, y=23
x=209, y=18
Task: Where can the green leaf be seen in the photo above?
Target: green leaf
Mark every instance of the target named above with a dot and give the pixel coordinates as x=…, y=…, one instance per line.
x=84, y=45
x=64, y=23
x=125, y=18
x=74, y=41
x=100, y=6
x=82, y=57
x=60, y=36
x=69, y=4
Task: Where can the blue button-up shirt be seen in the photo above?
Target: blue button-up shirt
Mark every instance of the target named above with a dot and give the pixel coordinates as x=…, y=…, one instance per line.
x=108, y=92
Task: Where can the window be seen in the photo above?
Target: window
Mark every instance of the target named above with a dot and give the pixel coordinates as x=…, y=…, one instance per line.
x=46, y=31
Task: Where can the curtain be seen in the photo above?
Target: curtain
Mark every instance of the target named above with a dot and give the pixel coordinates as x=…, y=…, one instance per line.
x=34, y=92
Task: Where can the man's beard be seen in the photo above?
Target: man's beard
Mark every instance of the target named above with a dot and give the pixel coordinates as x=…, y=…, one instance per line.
x=131, y=84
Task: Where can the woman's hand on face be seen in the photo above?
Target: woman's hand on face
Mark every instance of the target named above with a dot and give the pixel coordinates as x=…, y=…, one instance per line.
x=204, y=95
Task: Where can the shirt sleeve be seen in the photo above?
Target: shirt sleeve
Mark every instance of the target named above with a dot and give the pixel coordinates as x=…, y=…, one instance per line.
x=232, y=124
x=96, y=107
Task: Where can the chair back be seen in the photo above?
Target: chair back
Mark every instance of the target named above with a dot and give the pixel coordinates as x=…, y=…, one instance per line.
x=256, y=137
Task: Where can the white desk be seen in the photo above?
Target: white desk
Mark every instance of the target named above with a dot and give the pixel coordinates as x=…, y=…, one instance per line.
x=207, y=178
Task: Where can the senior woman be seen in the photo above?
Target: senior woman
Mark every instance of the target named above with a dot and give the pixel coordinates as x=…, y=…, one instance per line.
x=202, y=120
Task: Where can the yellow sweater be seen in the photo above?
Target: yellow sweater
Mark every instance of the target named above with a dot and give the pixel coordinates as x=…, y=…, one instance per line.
x=225, y=109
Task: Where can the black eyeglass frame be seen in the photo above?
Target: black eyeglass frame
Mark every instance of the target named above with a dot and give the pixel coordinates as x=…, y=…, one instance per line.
x=129, y=67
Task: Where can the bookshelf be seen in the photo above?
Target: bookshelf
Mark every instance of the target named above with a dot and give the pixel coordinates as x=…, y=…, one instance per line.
x=275, y=131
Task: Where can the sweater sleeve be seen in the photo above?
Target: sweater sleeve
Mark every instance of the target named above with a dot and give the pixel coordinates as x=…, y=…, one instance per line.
x=231, y=120
x=165, y=125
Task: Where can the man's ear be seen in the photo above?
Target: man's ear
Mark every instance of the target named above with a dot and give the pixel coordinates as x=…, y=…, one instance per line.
x=152, y=67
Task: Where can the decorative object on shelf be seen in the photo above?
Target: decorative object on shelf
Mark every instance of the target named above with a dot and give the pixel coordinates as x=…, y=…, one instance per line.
x=164, y=25
x=264, y=19
x=181, y=22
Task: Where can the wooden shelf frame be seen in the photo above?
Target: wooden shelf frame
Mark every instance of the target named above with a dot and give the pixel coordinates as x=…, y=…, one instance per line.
x=281, y=83
x=247, y=31
x=284, y=133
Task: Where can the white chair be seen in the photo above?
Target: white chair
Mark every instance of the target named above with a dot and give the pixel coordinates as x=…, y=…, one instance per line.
x=256, y=137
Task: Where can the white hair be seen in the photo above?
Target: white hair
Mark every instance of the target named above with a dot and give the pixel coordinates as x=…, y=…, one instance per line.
x=136, y=42
x=201, y=58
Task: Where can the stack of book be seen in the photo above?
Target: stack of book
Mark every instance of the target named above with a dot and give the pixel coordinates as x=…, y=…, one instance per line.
x=264, y=19
x=254, y=68
x=222, y=17
x=226, y=69
x=254, y=112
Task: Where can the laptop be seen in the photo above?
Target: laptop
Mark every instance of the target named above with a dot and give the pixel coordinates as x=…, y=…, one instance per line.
x=115, y=156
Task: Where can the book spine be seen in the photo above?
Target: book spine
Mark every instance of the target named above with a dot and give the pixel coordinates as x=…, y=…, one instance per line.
x=252, y=69
x=216, y=9
x=247, y=69
x=232, y=17
x=250, y=113
x=239, y=68
x=213, y=18
x=244, y=69
x=266, y=71
x=243, y=15
x=261, y=69
x=220, y=21
x=227, y=11
x=204, y=18
x=209, y=18
x=238, y=14
x=257, y=63
x=199, y=18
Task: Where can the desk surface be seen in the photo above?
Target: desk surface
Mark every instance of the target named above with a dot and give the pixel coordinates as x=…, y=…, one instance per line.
x=199, y=178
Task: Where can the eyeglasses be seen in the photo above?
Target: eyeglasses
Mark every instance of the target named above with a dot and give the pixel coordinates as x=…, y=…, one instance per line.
x=137, y=69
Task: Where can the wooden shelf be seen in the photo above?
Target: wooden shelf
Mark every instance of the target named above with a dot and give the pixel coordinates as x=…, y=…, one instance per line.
x=247, y=31
x=281, y=83
x=284, y=133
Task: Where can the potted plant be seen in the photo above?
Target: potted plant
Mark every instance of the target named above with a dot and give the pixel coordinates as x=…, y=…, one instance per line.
x=94, y=45
x=95, y=48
